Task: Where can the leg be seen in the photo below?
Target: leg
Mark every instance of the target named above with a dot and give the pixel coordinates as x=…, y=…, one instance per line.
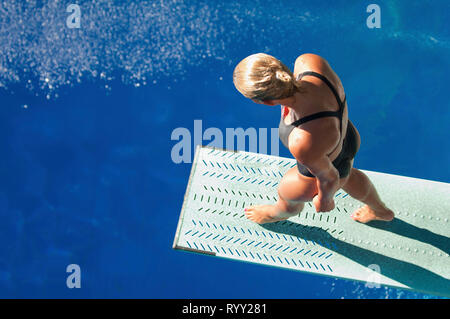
x=281, y=210
x=361, y=188
x=293, y=191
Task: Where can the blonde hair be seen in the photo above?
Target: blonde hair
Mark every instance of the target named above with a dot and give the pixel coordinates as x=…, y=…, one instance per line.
x=262, y=77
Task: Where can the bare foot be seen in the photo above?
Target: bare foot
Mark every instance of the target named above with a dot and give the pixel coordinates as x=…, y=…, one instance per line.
x=262, y=214
x=366, y=214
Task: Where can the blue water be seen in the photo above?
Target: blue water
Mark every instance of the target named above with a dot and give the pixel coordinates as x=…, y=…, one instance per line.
x=86, y=117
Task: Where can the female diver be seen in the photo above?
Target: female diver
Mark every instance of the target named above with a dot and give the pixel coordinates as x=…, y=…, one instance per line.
x=314, y=126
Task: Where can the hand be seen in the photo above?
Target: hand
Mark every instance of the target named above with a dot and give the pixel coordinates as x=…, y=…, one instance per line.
x=323, y=204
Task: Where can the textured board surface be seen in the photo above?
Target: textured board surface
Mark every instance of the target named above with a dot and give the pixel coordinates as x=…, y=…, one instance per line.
x=410, y=252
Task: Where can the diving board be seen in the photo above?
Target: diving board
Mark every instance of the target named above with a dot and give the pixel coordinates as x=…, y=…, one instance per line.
x=410, y=252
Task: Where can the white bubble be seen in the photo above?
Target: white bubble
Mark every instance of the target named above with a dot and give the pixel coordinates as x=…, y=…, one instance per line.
x=106, y=43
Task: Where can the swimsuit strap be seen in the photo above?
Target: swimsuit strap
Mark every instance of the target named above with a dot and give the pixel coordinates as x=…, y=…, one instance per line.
x=316, y=116
x=324, y=79
x=323, y=113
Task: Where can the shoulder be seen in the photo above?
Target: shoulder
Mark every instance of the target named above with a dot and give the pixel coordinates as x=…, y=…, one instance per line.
x=314, y=62
x=309, y=56
x=310, y=61
x=313, y=141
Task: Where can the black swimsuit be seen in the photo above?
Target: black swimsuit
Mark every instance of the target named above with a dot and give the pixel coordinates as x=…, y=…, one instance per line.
x=349, y=145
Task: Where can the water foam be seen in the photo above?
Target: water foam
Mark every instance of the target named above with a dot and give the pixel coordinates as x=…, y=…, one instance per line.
x=140, y=41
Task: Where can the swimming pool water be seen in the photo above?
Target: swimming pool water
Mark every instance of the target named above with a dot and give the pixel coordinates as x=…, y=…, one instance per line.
x=87, y=115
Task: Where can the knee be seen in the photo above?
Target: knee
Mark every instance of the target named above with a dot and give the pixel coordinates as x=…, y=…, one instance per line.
x=295, y=191
x=289, y=205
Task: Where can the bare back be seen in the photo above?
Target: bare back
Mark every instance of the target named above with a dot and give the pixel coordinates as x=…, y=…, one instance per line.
x=320, y=98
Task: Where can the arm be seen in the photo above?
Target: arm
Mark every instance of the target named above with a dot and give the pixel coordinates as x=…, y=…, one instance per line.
x=327, y=177
x=311, y=152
